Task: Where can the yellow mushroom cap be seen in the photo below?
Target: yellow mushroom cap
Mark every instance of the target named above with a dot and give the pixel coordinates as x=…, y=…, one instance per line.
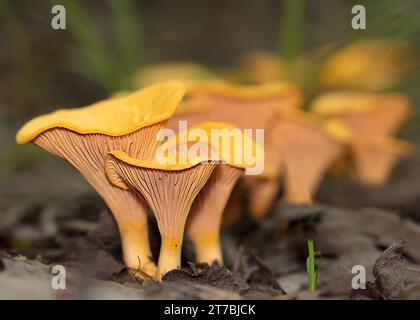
x=349, y=102
x=370, y=64
x=222, y=150
x=112, y=117
x=259, y=66
x=390, y=145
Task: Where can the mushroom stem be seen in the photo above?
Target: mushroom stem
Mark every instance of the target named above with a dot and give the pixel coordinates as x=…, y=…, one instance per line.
x=127, y=208
x=207, y=248
x=205, y=219
x=136, y=249
x=169, y=257
x=169, y=191
x=262, y=193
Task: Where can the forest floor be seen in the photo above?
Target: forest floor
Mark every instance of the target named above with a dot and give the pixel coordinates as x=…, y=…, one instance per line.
x=49, y=216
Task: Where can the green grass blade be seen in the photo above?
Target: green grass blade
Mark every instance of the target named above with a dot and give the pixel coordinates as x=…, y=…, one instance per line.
x=127, y=33
x=310, y=265
x=292, y=27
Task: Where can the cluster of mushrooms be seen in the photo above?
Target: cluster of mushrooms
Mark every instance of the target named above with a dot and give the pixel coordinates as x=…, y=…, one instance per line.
x=113, y=144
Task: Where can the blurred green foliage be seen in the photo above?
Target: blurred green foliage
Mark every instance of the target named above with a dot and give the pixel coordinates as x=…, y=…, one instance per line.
x=292, y=28
x=112, y=68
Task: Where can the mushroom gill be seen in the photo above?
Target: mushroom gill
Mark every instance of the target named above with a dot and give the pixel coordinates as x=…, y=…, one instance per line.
x=308, y=147
x=169, y=189
x=84, y=136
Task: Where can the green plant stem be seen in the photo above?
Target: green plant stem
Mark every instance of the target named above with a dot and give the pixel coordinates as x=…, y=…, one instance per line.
x=311, y=267
x=127, y=34
x=291, y=32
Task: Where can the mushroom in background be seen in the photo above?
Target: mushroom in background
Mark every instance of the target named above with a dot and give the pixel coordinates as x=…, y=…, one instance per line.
x=191, y=112
x=374, y=160
x=368, y=116
x=247, y=107
x=372, y=119
x=262, y=192
x=169, y=189
x=367, y=65
x=187, y=72
x=263, y=189
x=84, y=136
x=252, y=107
x=308, y=146
x=259, y=66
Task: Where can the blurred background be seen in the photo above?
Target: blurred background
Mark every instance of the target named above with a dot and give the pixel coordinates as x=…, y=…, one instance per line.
x=108, y=41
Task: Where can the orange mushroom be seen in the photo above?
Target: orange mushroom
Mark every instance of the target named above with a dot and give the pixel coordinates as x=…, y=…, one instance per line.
x=368, y=116
x=247, y=107
x=372, y=119
x=308, y=147
x=260, y=66
x=84, y=136
x=169, y=188
x=372, y=64
x=191, y=112
x=204, y=222
x=250, y=107
x=374, y=160
x=262, y=192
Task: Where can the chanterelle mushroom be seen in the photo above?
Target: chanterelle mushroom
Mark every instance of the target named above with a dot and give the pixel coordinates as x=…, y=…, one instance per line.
x=368, y=116
x=169, y=189
x=250, y=107
x=247, y=107
x=262, y=192
x=204, y=221
x=374, y=160
x=372, y=119
x=84, y=136
x=260, y=66
x=372, y=64
x=308, y=147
